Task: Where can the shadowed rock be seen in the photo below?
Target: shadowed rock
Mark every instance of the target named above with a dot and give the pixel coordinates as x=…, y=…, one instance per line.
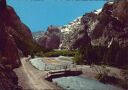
x=51, y=39
x=14, y=37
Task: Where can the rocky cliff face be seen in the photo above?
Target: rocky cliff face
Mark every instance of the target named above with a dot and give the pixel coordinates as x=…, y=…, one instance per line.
x=103, y=27
x=37, y=35
x=109, y=26
x=51, y=38
x=14, y=35
x=70, y=33
x=15, y=38
x=98, y=28
x=8, y=79
x=63, y=37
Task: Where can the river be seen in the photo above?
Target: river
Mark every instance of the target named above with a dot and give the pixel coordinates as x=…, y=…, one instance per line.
x=80, y=83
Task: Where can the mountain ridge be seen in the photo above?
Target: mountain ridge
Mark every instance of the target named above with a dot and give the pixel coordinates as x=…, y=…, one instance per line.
x=90, y=23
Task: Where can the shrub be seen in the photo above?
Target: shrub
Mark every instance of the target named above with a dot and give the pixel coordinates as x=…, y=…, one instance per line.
x=60, y=53
x=103, y=72
x=113, y=56
x=40, y=54
x=124, y=73
x=92, y=54
x=104, y=76
x=78, y=58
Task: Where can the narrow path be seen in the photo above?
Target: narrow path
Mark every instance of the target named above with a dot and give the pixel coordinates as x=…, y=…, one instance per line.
x=31, y=78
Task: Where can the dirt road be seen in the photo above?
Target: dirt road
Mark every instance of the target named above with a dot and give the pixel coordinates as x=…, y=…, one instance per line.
x=31, y=78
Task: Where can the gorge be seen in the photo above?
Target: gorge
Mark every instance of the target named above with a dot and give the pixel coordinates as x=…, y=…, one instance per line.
x=97, y=40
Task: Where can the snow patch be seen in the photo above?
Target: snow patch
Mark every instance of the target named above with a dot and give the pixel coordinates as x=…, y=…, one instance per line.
x=93, y=25
x=110, y=43
x=110, y=2
x=67, y=28
x=98, y=11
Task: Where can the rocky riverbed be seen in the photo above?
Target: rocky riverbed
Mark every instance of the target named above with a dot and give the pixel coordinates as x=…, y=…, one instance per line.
x=86, y=80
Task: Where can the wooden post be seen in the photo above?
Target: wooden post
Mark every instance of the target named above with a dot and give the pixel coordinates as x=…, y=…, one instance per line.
x=60, y=67
x=47, y=75
x=76, y=67
x=45, y=67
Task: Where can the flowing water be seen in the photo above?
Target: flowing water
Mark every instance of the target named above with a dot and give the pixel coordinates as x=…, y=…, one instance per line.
x=40, y=65
x=80, y=83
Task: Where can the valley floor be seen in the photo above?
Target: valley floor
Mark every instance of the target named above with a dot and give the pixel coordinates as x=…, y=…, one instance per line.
x=33, y=79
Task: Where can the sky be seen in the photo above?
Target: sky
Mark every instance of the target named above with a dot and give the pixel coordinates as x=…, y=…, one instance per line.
x=39, y=14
